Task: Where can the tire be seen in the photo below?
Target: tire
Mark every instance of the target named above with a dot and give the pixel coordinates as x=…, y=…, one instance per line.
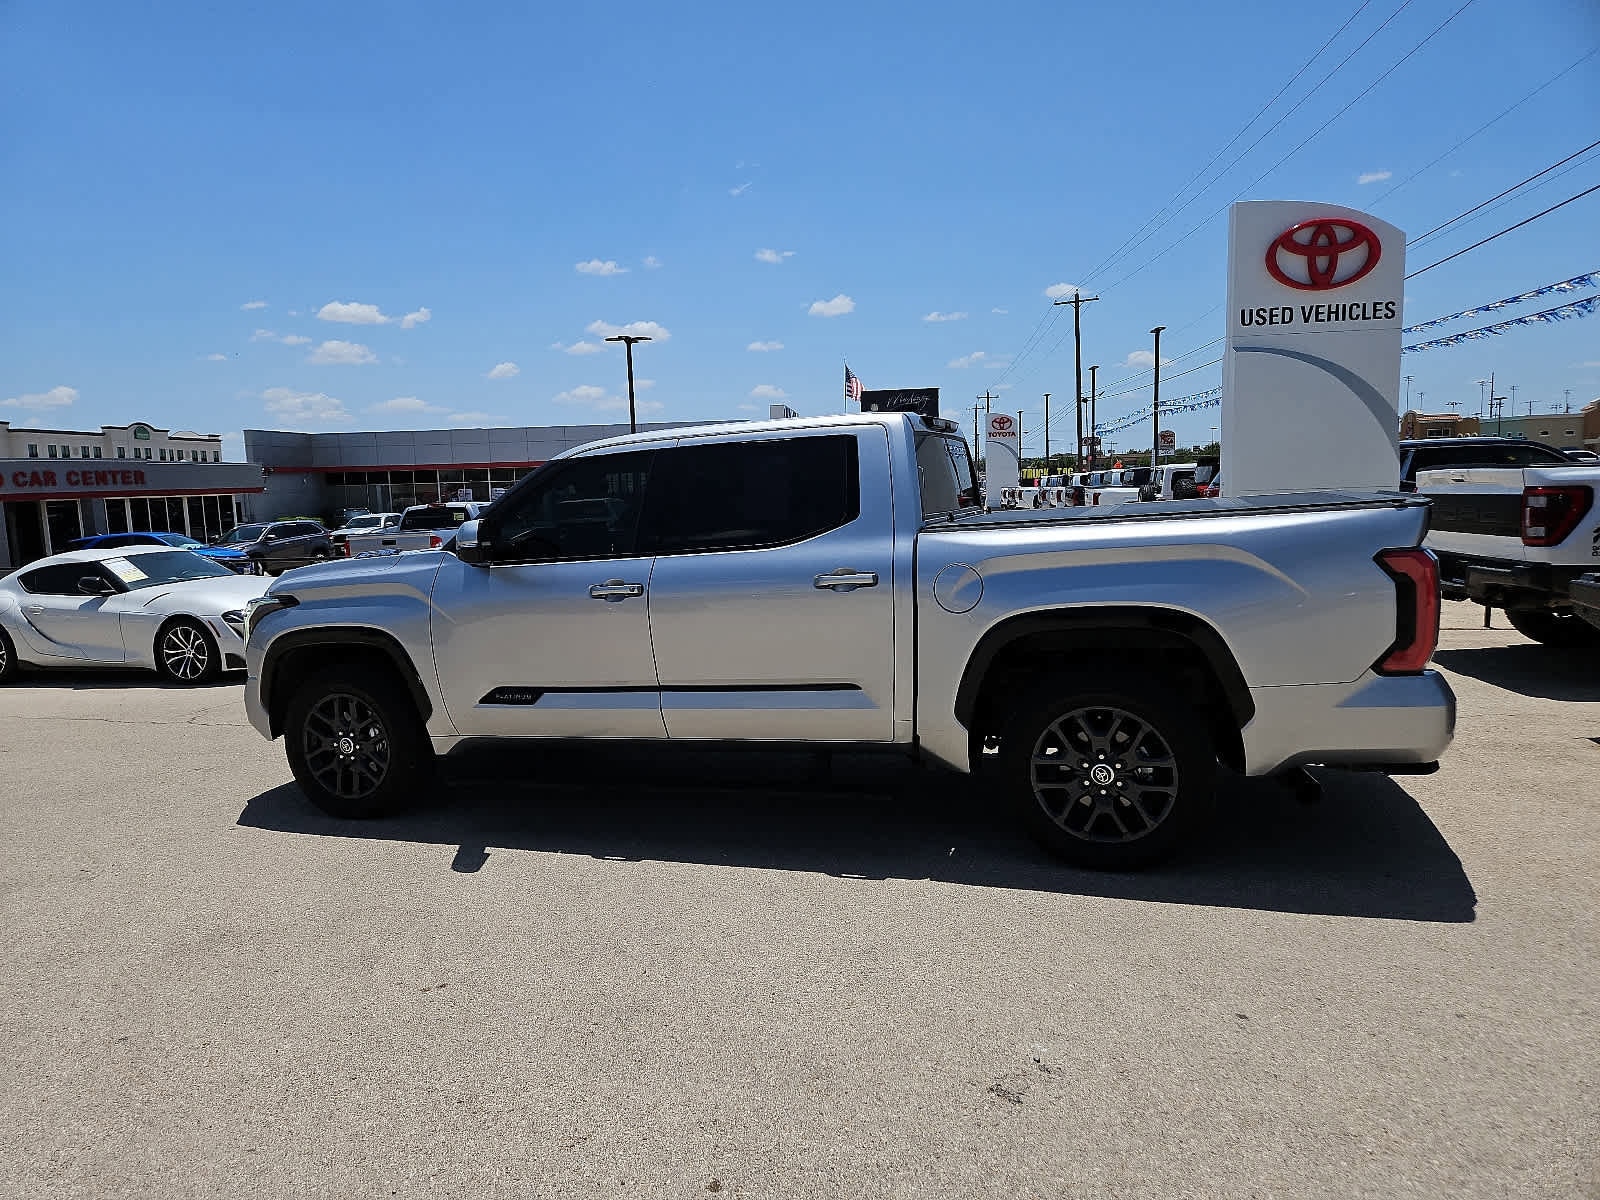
x=1135, y=815
x=1564, y=629
x=356, y=744
x=186, y=653
x=8, y=658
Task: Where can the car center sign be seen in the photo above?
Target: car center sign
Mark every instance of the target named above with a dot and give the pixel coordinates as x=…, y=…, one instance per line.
x=1313, y=349
x=1001, y=452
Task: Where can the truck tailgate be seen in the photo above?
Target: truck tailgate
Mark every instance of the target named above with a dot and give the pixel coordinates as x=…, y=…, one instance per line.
x=1477, y=511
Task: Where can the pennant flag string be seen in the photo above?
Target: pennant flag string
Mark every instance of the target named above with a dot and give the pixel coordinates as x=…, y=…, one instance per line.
x=1575, y=284
x=1564, y=312
x=1210, y=398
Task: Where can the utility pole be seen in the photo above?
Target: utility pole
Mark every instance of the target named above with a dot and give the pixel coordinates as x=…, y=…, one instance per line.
x=1566, y=396
x=1047, y=433
x=1481, y=384
x=1155, y=406
x=1019, y=441
x=1514, y=402
x=1078, y=301
x=987, y=400
x=628, y=340
x=1408, y=391
x=975, y=410
x=1420, y=395
x=1094, y=392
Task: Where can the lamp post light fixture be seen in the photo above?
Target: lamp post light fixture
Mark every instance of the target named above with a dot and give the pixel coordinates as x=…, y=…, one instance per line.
x=628, y=340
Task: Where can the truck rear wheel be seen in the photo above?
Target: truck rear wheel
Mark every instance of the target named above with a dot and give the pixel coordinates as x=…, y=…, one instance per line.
x=1566, y=629
x=1112, y=779
x=356, y=744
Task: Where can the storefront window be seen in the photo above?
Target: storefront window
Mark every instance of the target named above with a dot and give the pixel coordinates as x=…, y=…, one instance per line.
x=65, y=524
x=116, y=516
x=139, y=515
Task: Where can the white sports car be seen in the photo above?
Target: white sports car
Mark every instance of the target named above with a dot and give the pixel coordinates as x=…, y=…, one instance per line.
x=155, y=607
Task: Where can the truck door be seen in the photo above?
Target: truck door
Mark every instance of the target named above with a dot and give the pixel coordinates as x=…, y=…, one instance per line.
x=772, y=596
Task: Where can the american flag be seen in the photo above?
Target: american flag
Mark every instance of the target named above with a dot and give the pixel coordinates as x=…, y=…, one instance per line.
x=852, y=385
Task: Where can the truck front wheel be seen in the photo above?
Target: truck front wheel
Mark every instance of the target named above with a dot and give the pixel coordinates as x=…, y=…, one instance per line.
x=1111, y=779
x=1565, y=629
x=355, y=742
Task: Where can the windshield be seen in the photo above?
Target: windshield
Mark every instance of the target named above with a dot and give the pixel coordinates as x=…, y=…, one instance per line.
x=434, y=517
x=369, y=522
x=179, y=540
x=163, y=567
x=241, y=534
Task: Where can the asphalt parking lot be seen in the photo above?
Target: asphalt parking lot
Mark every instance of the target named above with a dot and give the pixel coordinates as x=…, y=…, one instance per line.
x=606, y=975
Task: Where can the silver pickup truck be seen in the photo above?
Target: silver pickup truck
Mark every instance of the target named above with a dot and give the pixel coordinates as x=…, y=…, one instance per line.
x=420, y=527
x=831, y=582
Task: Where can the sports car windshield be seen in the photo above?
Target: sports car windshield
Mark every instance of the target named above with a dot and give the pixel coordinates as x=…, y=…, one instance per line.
x=240, y=534
x=163, y=567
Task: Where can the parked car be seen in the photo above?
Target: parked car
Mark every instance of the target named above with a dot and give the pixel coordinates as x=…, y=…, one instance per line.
x=1582, y=456
x=1517, y=537
x=235, y=560
x=1427, y=454
x=279, y=546
x=160, y=608
x=421, y=527
x=829, y=582
x=361, y=523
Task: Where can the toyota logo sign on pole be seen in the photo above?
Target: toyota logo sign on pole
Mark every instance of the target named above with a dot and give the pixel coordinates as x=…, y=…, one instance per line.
x=1313, y=349
x=1001, y=453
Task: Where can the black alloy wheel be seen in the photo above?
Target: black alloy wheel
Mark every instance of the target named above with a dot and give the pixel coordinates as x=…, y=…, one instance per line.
x=187, y=653
x=1111, y=779
x=356, y=744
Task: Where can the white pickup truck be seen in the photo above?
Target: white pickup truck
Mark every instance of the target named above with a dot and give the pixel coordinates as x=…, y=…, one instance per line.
x=1517, y=538
x=421, y=527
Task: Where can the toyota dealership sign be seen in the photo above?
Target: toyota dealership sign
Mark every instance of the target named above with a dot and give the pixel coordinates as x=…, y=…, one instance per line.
x=1313, y=349
x=1002, y=446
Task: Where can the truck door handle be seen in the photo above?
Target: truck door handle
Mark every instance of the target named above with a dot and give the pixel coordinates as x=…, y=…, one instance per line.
x=613, y=590
x=846, y=580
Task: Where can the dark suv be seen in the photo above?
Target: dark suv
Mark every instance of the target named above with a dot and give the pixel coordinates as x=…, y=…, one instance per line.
x=1426, y=454
x=280, y=545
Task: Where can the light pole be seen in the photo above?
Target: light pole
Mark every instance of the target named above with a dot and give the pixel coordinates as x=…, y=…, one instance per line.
x=628, y=340
x=1094, y=392
x=1155, y=405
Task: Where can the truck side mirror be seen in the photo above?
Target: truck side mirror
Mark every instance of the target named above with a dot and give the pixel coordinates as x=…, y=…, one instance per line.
x=470, y=547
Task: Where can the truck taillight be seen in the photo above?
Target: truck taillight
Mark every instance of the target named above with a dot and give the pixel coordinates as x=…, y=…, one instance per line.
x=344, y=549
x=434, y=541
x=1416, y=584
x=1549, y=514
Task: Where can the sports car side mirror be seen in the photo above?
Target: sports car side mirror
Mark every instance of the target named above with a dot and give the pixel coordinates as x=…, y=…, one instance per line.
x=93, y=585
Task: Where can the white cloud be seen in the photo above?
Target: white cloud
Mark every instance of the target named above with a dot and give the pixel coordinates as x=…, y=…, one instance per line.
x=1589, y=364
x=651, y=262
x=412, y=319
x=216, y=358
x=968, y=360
x=1057, y=291
x=406, y=404
x=312, y=408
x=1373, y=176
x=351, y=313
x=1143, y=358
x=252, y=305
x=937, y=317
x=649, y=329
x=764, y=347
x=741, y=189
x=748, y=407
x=56, y=397
x=342, y=354
x=837, y=307
x=1001, y=311
x=578, y=347
x=475, y=417
x=597, y=398
x=504, y=370
x=767, y=391
x=294, y=339
x=640, y=385
x=773, y=256
x=263, y=335
x=595, y=267
x=294, y=312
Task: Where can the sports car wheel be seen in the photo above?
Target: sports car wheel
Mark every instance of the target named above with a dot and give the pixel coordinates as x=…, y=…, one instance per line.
x=8, y=658
x=356, y=744
x=1112, y=778
x=186, y=652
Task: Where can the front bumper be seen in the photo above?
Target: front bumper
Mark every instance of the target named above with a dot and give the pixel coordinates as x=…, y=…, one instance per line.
x=1396, y=720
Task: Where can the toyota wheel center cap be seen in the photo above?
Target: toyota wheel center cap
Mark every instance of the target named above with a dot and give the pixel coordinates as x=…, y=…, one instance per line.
x=1103, y=775
x=347, y=745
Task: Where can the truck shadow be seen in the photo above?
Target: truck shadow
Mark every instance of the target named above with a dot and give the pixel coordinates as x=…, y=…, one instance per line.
x=1541, y=672
x=1366, y=850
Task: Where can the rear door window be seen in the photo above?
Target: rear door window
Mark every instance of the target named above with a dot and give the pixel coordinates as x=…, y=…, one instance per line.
x=748, y=495
x=60, y=579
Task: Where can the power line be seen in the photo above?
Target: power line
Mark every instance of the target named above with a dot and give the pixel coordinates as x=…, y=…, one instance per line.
x=1179, y=375
x=1506, y=230
x=1422, y=237
x=1245, y=128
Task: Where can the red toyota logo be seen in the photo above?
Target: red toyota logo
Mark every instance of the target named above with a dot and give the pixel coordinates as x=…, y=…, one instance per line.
x=1000, y=422
x=1327, y=252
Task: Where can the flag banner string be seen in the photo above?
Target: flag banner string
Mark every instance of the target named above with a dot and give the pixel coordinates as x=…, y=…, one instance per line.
x=1564, y=312
x=1209, y=398
x=1575, y=284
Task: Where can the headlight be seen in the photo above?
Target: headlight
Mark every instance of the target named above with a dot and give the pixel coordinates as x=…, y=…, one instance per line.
x=262, y=606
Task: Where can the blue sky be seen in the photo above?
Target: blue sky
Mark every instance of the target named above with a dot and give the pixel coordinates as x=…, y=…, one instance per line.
x=195, y=192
